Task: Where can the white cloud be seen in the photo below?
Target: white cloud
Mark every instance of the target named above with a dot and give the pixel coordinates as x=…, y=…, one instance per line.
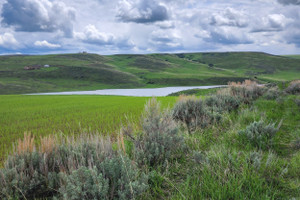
x=46, y=44
x=92, y=35
x=165, y=24
x=272, y=22
x=165, y=40
x=7, y=40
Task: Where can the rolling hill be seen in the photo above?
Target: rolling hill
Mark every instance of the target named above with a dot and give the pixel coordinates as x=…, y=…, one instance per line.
x=82, y=71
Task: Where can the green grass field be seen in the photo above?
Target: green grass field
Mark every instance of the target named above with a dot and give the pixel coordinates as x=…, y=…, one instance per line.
x=44, y=115
x=69, y=72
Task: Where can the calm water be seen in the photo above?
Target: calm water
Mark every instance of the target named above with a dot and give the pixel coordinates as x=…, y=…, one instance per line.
x=145, y=92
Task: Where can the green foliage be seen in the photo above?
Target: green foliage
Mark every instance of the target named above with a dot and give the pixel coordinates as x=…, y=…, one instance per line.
x=225, y=173
x=259, y=134
x=196, y=92
x=297, y=101
x=160, y=141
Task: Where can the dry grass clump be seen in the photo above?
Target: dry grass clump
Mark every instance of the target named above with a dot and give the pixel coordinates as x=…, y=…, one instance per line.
x=25, y=145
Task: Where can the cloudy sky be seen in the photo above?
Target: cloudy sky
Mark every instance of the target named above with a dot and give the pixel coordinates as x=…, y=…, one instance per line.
x=148, y=26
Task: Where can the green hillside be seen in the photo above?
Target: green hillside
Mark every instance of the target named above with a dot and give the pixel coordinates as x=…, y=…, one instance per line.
x=293, y=56
x=69, y=72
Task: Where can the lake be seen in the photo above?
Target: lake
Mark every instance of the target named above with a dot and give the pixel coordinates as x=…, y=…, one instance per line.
x=142, y=92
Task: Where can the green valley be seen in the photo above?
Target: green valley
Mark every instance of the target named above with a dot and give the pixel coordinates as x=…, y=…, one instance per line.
x=83, y=71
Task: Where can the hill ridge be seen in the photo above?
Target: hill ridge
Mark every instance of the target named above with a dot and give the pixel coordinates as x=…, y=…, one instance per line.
x=89, y=71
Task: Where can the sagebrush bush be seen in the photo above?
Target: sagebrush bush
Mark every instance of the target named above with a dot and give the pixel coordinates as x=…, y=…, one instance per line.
x=294, y=87
x=200, y=157
x=259, y=134
x=272, y=93
x=221, y=103
x=24, y=176
x=192, y=112
x=116, y=178
x=248, y=91
x=42, y=172
x=160, y=140
x=84, y=183
x=254, y=159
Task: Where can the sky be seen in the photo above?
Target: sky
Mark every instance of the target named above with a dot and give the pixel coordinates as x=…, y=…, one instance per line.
x=149, y=26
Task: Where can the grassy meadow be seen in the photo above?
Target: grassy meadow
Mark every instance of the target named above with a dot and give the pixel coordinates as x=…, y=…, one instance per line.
x=44, y=115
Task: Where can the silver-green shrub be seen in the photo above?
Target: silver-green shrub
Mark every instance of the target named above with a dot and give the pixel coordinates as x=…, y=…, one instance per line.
x=87, y=165
x=116, y=178
x=272, y=93
x=24, y=176
x=125, y=179
x=221, y=103
x=160, y=140
x=84, y=183
x=192, y=112
x=294, y=87
x=259, y=134
x=254, y=159
x=247, y=91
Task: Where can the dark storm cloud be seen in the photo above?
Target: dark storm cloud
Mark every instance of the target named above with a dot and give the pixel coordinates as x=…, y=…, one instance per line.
x=142, y=11
x=287, y=2
x=38, y=16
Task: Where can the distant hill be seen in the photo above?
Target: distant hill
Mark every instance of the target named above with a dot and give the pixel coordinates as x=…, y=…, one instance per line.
x=67, y=72
x=293, y=56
